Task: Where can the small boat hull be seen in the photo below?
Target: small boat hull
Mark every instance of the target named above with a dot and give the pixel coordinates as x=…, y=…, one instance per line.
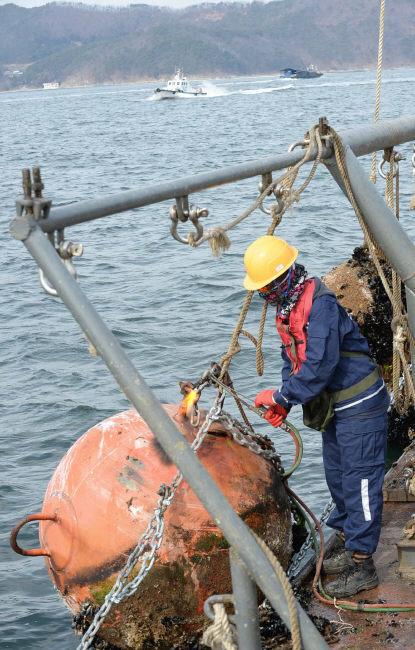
x=162, y=93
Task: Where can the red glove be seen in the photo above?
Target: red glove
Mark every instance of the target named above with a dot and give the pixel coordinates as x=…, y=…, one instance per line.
x=264, y=398
x=275, y=415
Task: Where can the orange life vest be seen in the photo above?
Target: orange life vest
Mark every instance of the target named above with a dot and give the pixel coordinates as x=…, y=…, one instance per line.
x=293, y=329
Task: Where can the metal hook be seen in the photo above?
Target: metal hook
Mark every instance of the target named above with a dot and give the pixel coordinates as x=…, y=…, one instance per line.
x=265, y=182
x=182, y=212
x=299, y=143
x=48, y=286
x=394, y=156
x=66, y=251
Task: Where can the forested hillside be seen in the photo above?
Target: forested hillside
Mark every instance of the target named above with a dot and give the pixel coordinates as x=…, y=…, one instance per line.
x=80, y=44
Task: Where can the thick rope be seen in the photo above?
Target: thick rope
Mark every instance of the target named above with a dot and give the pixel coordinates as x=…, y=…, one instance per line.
x=288, y=197
x=221, y=634
x=378, y=82
x=399, y=324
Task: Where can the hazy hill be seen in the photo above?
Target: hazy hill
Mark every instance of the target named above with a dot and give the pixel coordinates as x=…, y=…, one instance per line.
x=75, y=43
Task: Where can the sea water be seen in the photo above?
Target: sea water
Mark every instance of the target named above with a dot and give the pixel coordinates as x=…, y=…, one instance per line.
x=172, y=307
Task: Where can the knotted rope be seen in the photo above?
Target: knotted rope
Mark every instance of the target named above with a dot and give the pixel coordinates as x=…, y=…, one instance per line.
x=217, y=236
x=221, y=634
x=288, y=195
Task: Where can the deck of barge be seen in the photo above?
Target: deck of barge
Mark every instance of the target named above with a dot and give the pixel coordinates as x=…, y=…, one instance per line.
x=380, y=629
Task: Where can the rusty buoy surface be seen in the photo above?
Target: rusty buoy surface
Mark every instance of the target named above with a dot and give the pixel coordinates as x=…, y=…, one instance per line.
x=104, y=492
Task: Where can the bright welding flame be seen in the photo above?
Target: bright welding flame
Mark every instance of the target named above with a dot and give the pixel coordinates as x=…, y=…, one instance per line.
x=188, y=402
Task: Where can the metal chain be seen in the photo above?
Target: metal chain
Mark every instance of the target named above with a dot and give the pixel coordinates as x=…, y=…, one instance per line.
x=298, y=557
x=260, y=445
x=150, y=542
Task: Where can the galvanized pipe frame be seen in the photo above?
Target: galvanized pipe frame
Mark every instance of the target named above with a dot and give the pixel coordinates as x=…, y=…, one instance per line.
x=246, y=605
x=133, y=385
x=362, y=140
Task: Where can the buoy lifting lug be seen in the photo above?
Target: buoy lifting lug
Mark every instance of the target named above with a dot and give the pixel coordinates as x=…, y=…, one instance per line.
x=33, y=552
x=323, y=126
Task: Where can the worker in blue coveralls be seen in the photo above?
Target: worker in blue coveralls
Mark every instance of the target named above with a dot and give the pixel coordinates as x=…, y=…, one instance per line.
x=328, y=370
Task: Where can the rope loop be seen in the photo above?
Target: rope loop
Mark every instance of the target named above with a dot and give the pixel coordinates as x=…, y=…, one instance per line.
x=221, y=634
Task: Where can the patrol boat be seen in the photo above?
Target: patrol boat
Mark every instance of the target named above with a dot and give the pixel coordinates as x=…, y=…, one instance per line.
x=178, y=87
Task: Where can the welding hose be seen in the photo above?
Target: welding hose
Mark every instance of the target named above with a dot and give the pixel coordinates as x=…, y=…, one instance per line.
x=295, y=435
x=317, y=584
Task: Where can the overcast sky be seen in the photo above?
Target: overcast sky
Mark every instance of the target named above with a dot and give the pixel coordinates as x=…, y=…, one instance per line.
x=116, y=3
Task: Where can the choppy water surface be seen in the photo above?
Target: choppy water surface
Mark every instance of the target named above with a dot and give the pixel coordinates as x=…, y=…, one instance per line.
x=172, y=307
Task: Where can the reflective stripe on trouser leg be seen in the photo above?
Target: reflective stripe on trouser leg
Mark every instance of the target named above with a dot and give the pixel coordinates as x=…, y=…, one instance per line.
x=333, y=472
x=364, y=491
x=363, y=468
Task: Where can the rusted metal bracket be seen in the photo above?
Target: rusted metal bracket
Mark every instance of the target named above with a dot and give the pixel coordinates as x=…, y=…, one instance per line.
x=38, y=516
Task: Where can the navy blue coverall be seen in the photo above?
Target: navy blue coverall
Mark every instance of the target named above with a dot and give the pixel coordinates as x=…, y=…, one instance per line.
x=354, y=445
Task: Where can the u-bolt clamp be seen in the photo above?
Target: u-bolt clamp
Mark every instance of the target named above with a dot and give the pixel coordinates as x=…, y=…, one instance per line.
x=183, y=212
x=66, y=251
x=391, y=156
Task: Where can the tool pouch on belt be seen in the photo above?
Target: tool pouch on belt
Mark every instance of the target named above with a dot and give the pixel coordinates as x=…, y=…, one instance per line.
x=319, y=411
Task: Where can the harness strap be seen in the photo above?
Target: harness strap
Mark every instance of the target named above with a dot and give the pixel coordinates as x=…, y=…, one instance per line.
x=355, y=389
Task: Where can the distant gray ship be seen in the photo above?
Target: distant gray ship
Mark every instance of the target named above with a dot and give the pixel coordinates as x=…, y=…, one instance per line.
x=310, y=72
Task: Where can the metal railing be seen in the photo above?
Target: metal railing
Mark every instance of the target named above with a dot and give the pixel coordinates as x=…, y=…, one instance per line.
x=35, y=218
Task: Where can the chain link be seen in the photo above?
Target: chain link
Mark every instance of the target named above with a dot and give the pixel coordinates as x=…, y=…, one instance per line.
x=299, y=557
x=150, y=542
x=260, y=445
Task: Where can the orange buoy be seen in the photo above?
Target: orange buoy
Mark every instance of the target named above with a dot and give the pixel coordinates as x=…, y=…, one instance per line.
x=102, y=496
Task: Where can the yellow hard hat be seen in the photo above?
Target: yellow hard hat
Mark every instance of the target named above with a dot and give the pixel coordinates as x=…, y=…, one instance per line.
x=266, y=259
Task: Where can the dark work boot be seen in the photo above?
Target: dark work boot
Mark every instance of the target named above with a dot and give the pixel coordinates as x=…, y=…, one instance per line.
x=357, y=577
x=339, y=561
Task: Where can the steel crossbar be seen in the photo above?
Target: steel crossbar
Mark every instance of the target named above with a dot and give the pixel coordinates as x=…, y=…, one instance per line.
x=362, y=140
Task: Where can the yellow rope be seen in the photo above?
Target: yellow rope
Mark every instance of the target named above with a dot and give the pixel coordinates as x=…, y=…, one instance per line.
x=378, y=81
